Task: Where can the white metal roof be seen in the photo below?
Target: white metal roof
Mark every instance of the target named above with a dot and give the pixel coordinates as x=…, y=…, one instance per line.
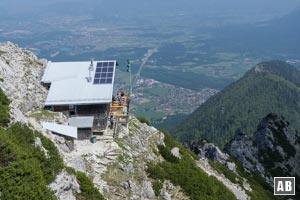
x=69, y=85
x=81, y=122
x=69, y=131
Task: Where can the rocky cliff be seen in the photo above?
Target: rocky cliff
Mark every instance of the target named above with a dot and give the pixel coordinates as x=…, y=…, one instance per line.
x=273, y=151
x=20, y=73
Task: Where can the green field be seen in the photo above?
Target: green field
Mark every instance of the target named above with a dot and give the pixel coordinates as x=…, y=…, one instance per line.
x=157, y=91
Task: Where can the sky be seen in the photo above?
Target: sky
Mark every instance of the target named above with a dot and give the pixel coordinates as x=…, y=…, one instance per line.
x=29, y=7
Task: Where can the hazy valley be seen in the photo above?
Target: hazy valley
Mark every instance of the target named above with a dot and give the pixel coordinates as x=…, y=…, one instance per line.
x=191, y=55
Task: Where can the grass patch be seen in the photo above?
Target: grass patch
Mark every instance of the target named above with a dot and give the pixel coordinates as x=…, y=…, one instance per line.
x=88, y=191
x=260, y=189
x=227, y=173
x=156, y=91
x=43, y=115
x=184, y=173
x=149, y=114
x=147, y=106
x=131, y=123
x=144, y=120
x=120, y=143
x=124, y=158
x=114, y=176
x=87, y=188
x=157, y=186
x=2, y=52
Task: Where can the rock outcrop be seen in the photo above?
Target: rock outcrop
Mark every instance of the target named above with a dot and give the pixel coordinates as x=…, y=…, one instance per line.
x=127, y=177
x=65, y=185
x=21, y=73
x=207, y=150
x=242, y=148
x=274, y=149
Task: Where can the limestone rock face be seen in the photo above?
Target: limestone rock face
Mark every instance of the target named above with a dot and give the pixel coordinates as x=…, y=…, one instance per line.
x=20, y=73
x=38, y=143
x=64, y=186
x=241, y=147
x=207, y=150
x=175, y=152
x=274, y=149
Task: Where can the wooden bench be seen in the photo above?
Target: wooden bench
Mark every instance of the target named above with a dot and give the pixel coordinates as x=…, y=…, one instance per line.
x=116, y=107
x=117, y=104
x=120, y=115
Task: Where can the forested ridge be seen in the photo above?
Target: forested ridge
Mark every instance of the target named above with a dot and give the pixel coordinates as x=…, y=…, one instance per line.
x=269, y=87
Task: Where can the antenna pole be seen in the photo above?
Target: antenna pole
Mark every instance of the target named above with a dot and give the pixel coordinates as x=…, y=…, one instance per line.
x=130, y=91
x=130, y=81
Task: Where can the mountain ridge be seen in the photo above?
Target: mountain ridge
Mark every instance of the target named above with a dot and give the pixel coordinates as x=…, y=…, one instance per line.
x=273, y=151
x=268, y=87
x=278, y=67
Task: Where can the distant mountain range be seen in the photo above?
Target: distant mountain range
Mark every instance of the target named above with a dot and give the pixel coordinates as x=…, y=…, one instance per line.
x=268, y=87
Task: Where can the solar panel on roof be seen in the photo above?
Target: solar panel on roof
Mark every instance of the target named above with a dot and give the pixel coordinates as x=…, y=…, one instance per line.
x=104, y=73
x=97, y=75
x=96, y=81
